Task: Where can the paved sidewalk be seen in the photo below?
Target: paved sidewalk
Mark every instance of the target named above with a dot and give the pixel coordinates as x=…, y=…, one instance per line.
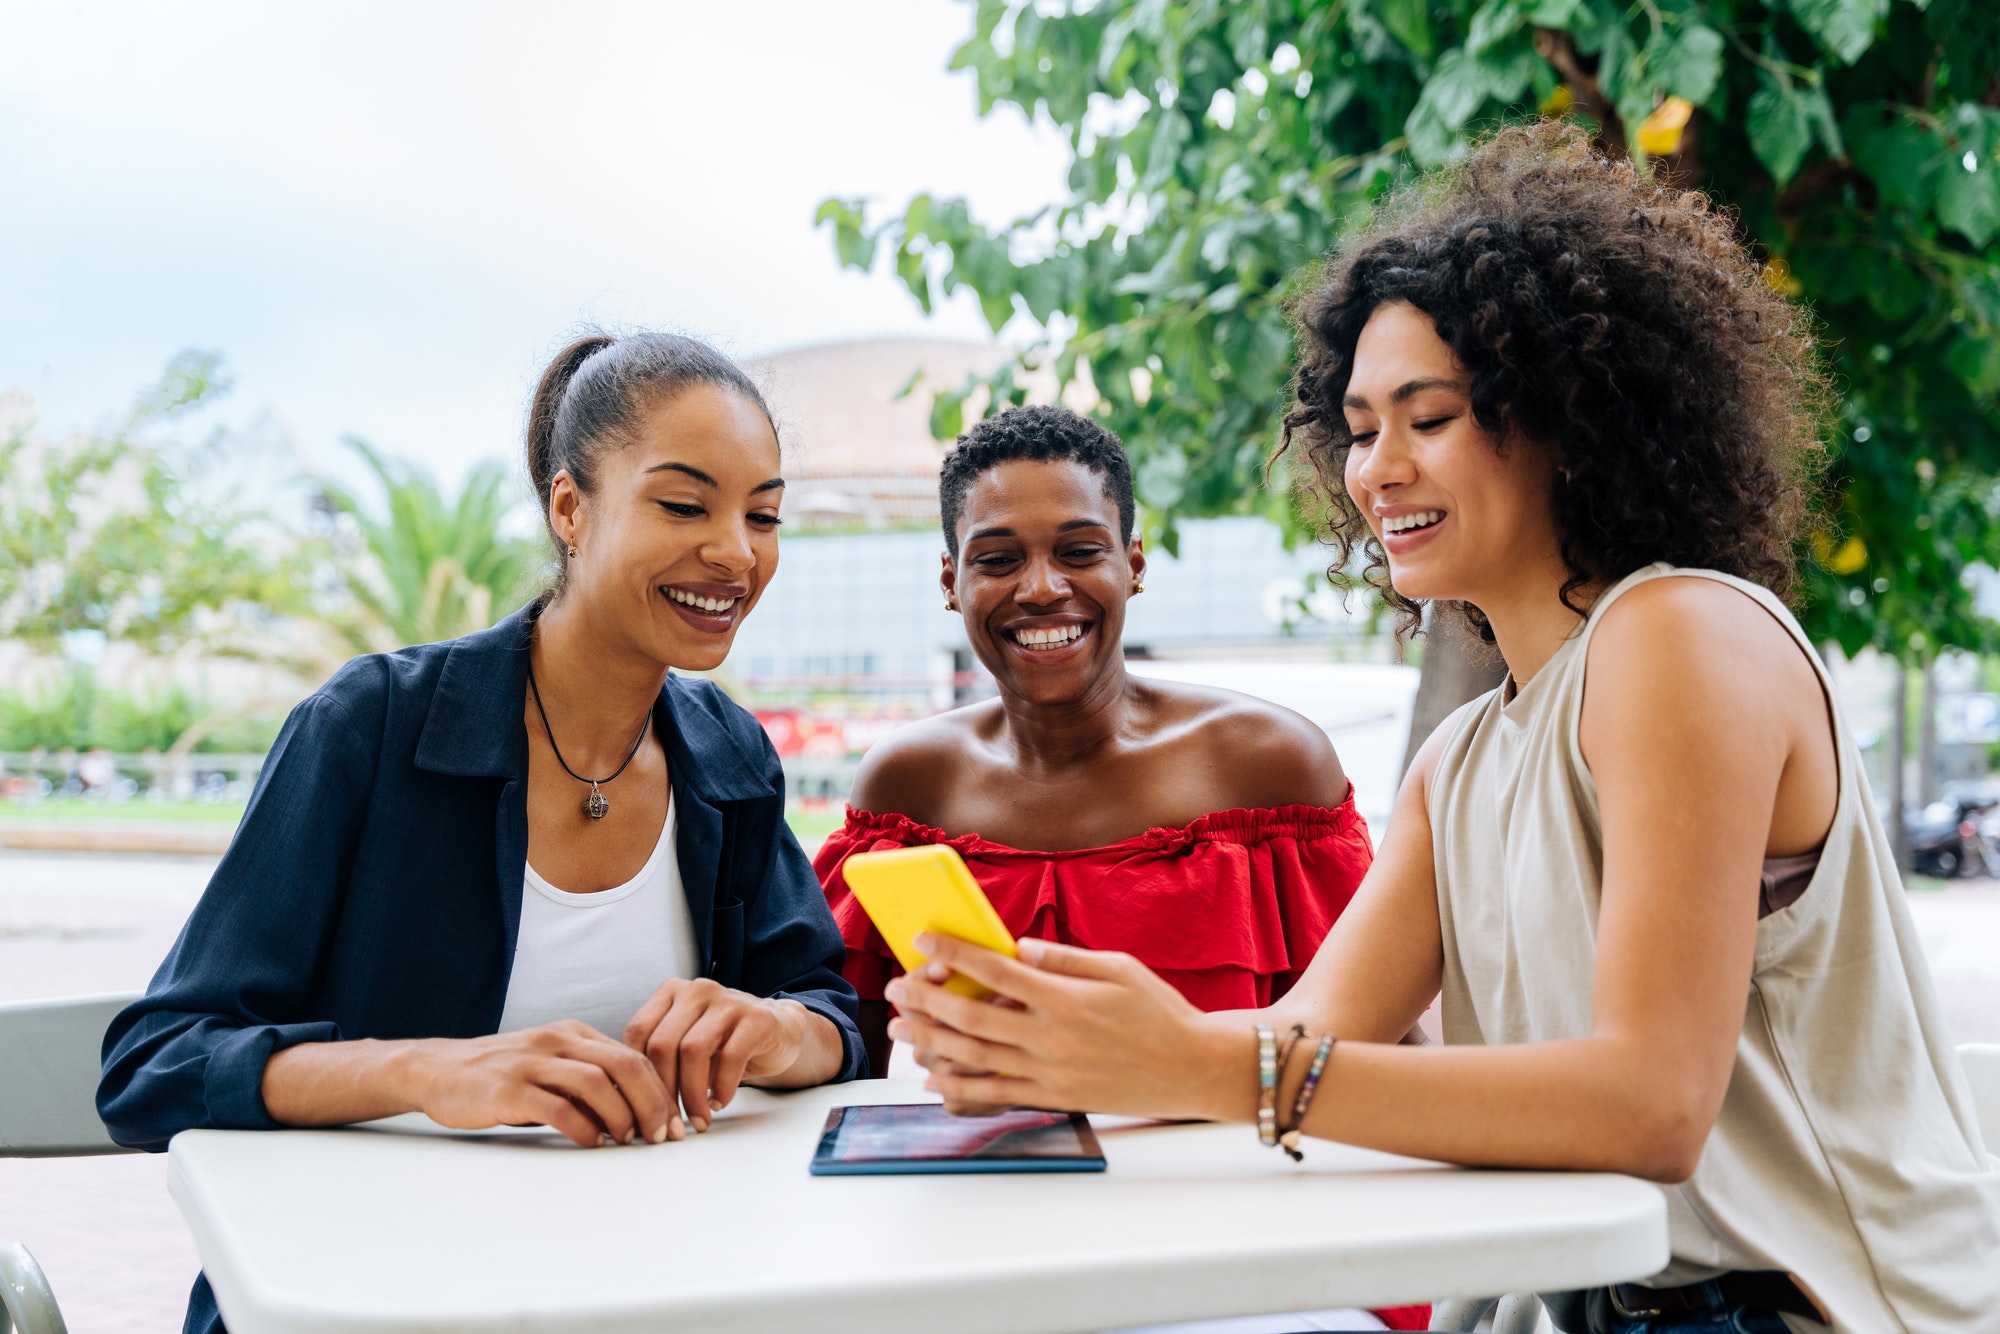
x=112, y=1242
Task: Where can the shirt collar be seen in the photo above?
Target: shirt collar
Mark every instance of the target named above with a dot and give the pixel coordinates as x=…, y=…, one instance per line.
x=474, y=726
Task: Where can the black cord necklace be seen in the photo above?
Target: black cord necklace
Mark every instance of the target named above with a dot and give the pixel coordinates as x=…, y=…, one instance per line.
x=595, y=805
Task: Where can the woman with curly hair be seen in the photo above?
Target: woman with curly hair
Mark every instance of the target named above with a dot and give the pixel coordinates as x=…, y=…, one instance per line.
x=1555, y=397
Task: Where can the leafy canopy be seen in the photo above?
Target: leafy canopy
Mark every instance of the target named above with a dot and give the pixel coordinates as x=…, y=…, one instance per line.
x=1218, y=150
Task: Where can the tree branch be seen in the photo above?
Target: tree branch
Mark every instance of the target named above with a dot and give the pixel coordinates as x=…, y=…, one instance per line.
x=1559, y=49
x=1821, y=177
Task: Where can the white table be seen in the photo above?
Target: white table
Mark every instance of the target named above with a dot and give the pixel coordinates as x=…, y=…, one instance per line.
x=401, y=1226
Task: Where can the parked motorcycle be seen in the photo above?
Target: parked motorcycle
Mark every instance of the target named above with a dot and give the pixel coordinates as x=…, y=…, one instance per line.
x=1953, y=838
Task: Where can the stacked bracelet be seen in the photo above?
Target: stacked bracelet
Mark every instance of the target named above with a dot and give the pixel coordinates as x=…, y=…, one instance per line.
x=1289, y=1138
x=1272, y=1062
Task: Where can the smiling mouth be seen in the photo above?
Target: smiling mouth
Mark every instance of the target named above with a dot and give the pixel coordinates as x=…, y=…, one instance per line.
x=1054, y=636
x=1411, y=523
x=708, y=606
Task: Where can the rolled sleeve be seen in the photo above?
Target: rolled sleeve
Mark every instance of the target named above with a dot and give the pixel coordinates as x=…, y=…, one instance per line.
x=233, y=1080
x=854, y=1057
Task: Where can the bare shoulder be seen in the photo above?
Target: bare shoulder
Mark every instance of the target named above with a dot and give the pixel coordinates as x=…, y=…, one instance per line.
x=1266, y=754
x=1694, y=634
x=907, y=769
x=1694, y=667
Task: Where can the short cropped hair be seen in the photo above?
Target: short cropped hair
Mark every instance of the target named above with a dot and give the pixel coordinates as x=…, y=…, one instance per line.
x=1041, y=433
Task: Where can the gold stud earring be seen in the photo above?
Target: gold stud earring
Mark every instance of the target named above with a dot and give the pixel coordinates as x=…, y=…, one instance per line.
x=951, y=604
x=1137, y=588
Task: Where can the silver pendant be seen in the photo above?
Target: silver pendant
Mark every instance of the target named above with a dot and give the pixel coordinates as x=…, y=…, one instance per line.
x=595, y=805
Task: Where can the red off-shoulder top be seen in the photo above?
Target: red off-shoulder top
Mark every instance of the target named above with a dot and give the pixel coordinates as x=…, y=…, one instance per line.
x=1230, y=909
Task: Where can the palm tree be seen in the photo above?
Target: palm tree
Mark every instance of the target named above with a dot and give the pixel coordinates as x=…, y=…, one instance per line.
x=429, y=567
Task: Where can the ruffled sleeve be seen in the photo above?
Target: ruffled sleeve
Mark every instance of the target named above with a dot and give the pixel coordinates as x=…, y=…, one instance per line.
x=1231, y=908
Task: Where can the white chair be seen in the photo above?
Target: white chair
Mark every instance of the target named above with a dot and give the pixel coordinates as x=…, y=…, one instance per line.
x=1982, y=1070
x=49, y=1062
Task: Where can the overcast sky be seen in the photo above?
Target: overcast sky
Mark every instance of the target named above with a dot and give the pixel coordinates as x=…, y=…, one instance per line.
x=386, y=215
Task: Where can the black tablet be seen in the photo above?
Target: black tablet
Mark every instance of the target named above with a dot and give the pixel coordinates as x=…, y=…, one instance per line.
x=900, y=1138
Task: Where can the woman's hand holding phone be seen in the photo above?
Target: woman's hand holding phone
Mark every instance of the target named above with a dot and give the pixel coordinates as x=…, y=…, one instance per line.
x=1085, y=1031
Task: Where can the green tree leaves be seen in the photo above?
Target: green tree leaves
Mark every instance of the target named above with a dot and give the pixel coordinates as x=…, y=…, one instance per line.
x=1685, y=61
x=430, y=567
x=1780, y=124
x=1855, y=139
x=1967, y=181
x=1844, y=28
x=132, y=536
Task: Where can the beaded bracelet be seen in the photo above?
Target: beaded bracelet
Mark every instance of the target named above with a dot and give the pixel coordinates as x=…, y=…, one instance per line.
x=1289, y=1139
x=1267, y=1086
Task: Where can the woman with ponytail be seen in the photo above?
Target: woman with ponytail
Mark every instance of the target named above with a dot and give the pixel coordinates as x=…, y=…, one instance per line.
x=527, y=876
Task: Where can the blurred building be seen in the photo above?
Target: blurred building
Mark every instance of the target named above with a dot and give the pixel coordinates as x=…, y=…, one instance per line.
x=854, y=422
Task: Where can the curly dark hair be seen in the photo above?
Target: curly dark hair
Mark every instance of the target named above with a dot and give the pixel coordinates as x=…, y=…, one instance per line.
x=1039, y=432
x=1613, y=317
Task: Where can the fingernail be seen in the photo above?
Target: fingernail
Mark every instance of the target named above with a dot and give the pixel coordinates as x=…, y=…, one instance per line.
x=1029, y=950
x=936, y=972
x=659, y=1136
x=675, y=1130
x=700, y=1127
x=898, y=1029
x=926, y=941
x=894, y=991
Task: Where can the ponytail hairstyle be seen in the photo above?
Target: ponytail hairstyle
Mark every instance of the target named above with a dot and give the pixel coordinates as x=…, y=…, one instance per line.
x=591, y=396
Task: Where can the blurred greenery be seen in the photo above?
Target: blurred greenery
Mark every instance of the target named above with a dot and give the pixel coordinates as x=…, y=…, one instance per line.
x=96, y=810
x=1218, y=150
x=428, y=567
x=131, y=535
x=75, y=712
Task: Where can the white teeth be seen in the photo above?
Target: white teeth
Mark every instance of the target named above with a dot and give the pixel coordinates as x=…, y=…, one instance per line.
x=701, y=603
x=1053, y=638
x=1405, y=522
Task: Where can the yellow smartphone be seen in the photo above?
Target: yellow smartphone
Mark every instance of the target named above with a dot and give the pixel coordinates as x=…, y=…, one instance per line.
x=908, y=890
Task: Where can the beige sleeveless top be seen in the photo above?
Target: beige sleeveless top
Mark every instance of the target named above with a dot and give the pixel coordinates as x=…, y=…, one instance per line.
x=1847, y=1151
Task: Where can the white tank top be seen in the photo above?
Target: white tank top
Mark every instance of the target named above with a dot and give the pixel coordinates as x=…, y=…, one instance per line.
x=1846, y=1151
x=598, y=957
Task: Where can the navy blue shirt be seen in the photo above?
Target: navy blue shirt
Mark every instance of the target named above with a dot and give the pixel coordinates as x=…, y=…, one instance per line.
x=373, y=889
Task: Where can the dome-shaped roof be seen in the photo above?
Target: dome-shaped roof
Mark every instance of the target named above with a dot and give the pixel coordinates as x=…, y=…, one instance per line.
x=838, y=411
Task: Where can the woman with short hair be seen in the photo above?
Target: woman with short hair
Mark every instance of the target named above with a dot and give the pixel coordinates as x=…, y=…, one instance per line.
x=1558, y=398
x=526, y=877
